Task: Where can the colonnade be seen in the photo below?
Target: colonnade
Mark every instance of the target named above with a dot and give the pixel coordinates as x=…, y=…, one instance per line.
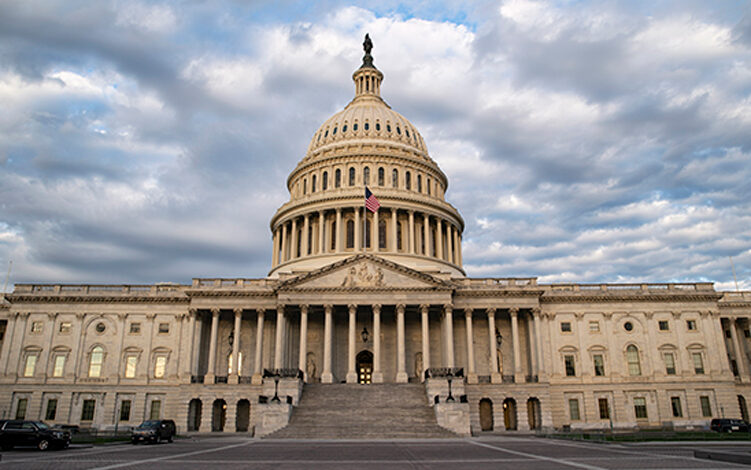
x=341, y=230
x=400, y=310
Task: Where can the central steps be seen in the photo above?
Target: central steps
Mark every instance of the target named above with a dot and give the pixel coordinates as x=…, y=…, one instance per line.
x=354, y=411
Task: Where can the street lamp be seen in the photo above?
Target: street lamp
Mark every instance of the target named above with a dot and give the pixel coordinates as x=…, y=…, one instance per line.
x=450, y=398
x=364, y=334
x=276, y=388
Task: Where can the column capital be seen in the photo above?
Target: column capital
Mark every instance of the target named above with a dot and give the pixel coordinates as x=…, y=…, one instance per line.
x=151, y=316
x=238, y=311
x=280, y=308
x=260, y=310
x=424, y=308
x=400, y=308
x=536, y=311
x=376, y=308
x=676, y=313
x=513, y=311
x=179, y=316
x=649, y=314
x=215, y=311
x=338, y=210
x=411, y=211
x=352, y=308
x=120, y=315
x=490, y=311
x=192, y=311
x=304, y=308
x=448, y=308
x=578, y=315
x=328, y=308
x=468, y=311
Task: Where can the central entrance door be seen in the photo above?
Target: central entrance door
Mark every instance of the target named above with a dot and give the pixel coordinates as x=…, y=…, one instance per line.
x=364, y=367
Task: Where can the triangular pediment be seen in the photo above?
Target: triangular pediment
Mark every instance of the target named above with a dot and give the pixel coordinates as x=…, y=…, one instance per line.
x=364, y=272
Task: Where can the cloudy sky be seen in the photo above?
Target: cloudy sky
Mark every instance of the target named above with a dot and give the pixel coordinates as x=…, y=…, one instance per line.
x=584, y=141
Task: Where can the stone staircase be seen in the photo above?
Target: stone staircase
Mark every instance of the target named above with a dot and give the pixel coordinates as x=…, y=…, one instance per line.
x=352, y=411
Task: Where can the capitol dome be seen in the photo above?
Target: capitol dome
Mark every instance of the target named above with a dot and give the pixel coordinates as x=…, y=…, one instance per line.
x=367, y=144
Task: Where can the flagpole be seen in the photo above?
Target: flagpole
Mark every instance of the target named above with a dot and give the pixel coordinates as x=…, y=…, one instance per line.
x=364, y=224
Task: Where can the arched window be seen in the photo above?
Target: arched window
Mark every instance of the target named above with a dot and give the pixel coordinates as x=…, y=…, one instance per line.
x=350, y=234
x=338, y=178
x=305, y=186
x=382, y=234
x=419, y=183
x=381, y=176
x=632, y=357
x=407, y=180
x=95, y=362
x=427, y=186
x=325, y=181
x=366, y=175
x=352, y=176
x=395, y=178
x=333, y=235
x=313, y=184
x=398, y=236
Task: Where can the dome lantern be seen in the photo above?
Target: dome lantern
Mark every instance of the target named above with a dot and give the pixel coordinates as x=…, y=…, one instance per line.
x=367, y=78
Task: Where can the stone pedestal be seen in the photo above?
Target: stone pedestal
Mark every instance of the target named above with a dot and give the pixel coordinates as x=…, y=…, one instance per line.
x=454, y=417
x=351, y=377
x=233, y=379
x=377, y=377
x=256, y=379
x=496, y=378
x=272, y=417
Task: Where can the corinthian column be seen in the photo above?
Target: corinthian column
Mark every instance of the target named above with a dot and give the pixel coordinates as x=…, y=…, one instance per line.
x=425, y=340
x=495, y=376
x=278, y=359
x=412, y=232
x=377, y=374
x=305, y=231
x=234, y=378
x=449, y=336
x=327, y=377
x=394, y=246
x=471, y=375
x=351, y=372
x=303, y=341
x=518, y=376
x=210, y=372
x=439, y=238
x=401, y=370
x=426, y=234
x=258, y=364
x=338, y=230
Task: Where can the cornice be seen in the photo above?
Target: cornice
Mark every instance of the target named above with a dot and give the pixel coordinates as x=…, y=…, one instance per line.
x=621, y=297
x=20, y=298
x=225, y=292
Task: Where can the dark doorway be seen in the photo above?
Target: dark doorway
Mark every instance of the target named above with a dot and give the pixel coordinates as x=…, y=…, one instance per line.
x=364, y=367
x=743, y=407
x=218, y=415
x=194, y=414
x=533, y=413
x=509, y=414
x=242, y=418
x=486, y=414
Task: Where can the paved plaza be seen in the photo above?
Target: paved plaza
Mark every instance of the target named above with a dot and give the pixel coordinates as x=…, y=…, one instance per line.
x=231, y=453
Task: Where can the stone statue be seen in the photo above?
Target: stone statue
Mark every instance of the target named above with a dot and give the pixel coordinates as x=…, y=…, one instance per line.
x=367, y=45
x=310, y=366
x=418, y=364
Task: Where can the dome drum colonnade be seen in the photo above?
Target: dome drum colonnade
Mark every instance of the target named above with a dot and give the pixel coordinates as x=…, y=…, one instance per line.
x=367, y=144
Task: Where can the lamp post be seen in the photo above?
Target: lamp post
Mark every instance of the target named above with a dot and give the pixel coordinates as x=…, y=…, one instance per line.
x=276, y=388
x=450, y=398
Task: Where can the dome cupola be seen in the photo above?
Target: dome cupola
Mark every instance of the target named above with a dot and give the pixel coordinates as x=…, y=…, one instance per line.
x=367, y=144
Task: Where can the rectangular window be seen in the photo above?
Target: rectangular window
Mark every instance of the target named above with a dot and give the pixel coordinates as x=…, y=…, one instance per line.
x=706, y=408
x=30, y=365
x=65, y=327
x=125, y=410
x=602, y=403
x=698, y=363
x=599, y=365
x=37, y=326
x=59, y=368
x=566, y=327
x=87, y=410
x=663, y=325
x=156, y=409
x=51, y=412
x=135, y=328
x=594, y=327
x=573, y=409
x=570, y=365
x=640, y=407
x=669, y=359
x=130, y=366
x=163, y=328
x=159, y=367
x=21, y=408
x=691, y=325
x=675, y=403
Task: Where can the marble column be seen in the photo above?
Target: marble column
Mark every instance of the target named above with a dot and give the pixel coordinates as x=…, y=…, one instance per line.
x=541, y=372
x=518, y=375
x=339, y=228
x=376, y=237
x=740, y=356
x=351, y=338
x=439, y=238
x=278, y=344
x=303, y=353
x=211, y=369
x=449, y=243
x=425, y=314
x=327, y=377
x=284, y=242
x=295, y=240
x=321, y=229
x=411, y=232
x=401, y=370
x=235, y=376
x=275, y=254
x=495, y=375
x=449, y=336
x=258, y=363
x=457, y=248
x=394, y=224
x=197, y=333
x=305, y=232
x=471, y=374
x=377, y=373
x=358, y=231
x=426, y=234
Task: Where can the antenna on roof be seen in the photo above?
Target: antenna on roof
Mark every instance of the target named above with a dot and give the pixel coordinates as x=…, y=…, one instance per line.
x=734, y=278
x=7, y=276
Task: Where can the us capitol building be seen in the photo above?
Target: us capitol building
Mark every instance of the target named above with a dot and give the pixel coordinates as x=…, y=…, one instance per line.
x=377, y=306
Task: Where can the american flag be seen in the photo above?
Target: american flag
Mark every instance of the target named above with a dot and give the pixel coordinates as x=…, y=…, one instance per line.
x=371, y=203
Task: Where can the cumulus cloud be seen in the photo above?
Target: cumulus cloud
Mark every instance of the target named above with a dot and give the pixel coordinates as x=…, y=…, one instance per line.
x=583, y=141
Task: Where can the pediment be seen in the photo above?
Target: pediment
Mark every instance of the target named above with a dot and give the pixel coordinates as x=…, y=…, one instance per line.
x=364, y=272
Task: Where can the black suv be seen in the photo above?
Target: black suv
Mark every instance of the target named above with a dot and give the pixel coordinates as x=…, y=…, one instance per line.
x=154, y=430
x=728, y=425
x=17, y=432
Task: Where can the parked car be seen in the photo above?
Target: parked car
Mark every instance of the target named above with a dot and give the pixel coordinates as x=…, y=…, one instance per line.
x=154, y=430
x=728, y=425
x=18, y=432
